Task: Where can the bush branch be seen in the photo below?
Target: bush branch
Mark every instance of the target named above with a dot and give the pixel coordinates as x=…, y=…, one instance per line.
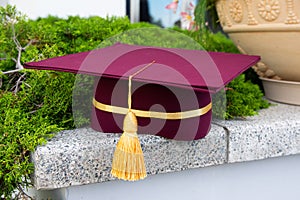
x=19, y=81
x=11, y=71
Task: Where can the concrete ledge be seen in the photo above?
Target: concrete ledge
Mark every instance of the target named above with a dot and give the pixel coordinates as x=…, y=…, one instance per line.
x=83, y=156
x=274, y=132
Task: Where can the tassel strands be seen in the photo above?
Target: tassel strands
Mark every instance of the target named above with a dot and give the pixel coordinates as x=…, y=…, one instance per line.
x=128, y=160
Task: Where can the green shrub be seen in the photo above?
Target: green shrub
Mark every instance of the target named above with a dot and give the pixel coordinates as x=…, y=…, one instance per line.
x=243, y=98
x=35, y=104
x=20, y=133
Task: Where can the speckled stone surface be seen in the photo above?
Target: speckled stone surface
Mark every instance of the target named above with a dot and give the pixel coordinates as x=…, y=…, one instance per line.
x=274, y=132
x=84, y=156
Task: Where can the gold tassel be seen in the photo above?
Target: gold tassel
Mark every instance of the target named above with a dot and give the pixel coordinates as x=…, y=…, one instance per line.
x=128, y=161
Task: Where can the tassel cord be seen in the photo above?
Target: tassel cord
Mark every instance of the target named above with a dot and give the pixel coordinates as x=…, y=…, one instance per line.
x=129, y=83
x=128, y=161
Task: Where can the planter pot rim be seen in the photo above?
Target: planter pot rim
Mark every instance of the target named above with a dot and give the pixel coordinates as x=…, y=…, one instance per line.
x=281, y=81
x=282, y=91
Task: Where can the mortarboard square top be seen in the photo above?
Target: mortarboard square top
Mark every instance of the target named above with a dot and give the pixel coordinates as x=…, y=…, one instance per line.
x=170, y=87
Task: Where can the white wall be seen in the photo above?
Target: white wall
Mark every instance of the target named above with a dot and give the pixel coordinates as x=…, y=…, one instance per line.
x=276, y=179
x=3, y=2
x=64, y=8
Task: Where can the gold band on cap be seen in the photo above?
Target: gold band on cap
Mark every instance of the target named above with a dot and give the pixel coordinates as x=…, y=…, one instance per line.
x=153, y=114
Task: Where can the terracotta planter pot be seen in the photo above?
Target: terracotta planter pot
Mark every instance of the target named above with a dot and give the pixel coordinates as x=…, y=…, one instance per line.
x=269, y=28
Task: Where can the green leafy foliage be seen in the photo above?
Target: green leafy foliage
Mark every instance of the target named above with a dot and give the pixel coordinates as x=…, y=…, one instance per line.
x=20, y=133
x=35, y=104
x=27, y=119
x=211, y=41
x=243, y=98
x=10, y=20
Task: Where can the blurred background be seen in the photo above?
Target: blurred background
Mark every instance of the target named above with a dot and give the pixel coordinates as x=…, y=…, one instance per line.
x=153, y=11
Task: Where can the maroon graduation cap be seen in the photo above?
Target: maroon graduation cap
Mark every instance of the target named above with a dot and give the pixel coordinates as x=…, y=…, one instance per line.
x=167, y=89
